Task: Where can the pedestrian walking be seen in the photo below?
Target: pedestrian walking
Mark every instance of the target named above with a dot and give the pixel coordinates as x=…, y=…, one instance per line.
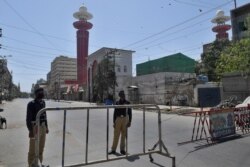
x=33, y=108
x=122, y=120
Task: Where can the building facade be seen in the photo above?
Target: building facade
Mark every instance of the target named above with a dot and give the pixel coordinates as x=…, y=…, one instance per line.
x=167, y=80
x=8, y=90
x=63, y=69
x=122, y=60
x=241, y=22
x=172, y=63
x=235, y=84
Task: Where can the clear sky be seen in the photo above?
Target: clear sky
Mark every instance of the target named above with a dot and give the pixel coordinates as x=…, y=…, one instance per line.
x=36, y=31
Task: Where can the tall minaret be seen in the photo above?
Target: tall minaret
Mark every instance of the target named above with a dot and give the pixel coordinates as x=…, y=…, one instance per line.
x=82, y=25
x=221, y=28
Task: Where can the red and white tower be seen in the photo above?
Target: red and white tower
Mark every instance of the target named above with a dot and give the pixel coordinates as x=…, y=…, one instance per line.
x=82, y=25
x=221, y=28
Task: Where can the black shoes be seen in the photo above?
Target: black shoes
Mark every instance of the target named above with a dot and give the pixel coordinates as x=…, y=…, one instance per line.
x=123, y=152
x=112, y=152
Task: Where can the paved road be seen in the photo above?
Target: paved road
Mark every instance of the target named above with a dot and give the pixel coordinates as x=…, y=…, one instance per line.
x=14, y=140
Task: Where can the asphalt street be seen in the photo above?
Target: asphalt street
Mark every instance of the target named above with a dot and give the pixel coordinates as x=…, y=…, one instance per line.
x=175, y=129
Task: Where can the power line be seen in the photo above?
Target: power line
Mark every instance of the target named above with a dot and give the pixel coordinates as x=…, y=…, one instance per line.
x=30, y=44
x=173, y=33
x=190, y=4
x=50, y=36
x=34, y=32
x=32, y=51
x=25, y=53
x=27, y=23
x=24, y=66
x=177, y=25
x=179, y=37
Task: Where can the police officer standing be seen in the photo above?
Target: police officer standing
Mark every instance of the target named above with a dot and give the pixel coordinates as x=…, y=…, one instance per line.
x=122, y=120
x=33, y=108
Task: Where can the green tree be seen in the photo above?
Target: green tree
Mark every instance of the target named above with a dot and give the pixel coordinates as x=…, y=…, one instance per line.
x=235, y=57
x=210, y=58
x=104, y=81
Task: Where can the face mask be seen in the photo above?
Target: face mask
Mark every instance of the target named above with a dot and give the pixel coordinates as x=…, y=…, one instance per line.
x=40, y=95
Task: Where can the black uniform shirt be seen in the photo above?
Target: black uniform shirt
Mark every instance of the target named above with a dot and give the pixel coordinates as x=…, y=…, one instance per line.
x=122, y=111
x=32, y=109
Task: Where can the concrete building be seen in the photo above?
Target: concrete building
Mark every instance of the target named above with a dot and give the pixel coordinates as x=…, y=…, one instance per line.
x=63, y=69
x=241, y=22
x=163, y=88
x=167, y=80
x=5, y=80
x=236, y=84
x=123, y=68
x=173, y=63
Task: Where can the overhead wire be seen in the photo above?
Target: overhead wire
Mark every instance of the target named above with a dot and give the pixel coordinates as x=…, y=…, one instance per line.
x=173, y=33
x=27, y=23
x=28, y=50
x=191, y=3
x=30, y=44
x=179, y=37
x=174, y=26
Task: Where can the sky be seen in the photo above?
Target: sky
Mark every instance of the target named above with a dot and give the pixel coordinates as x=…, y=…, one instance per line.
x=37, y=31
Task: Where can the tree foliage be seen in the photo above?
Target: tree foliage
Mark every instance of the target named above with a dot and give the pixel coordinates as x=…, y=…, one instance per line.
x=104, y=81
x=210, y=58
x=235, y=57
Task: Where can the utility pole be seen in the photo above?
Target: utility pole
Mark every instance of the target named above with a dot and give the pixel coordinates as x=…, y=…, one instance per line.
x=113, y=53
x=235, y=4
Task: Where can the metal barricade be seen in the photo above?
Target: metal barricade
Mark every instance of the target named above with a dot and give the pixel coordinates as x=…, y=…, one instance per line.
x=242, y=119
x=162, y=149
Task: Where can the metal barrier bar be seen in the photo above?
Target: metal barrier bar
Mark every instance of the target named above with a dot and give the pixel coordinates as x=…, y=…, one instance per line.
x=142, y=106
x=194, y=126
x=64, y=130
x=107, y=146
x=116, y=158
x=144, y=133
x=198, y=128
x=87, y=138
x=127, y=120
x=159, y=127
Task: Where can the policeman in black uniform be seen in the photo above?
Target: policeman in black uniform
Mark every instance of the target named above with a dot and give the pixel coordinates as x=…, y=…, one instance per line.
x=33, y=108
x=122, y=120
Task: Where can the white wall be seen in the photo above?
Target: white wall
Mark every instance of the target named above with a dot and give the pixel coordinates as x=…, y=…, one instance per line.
x=122, y=58
x=158, y=87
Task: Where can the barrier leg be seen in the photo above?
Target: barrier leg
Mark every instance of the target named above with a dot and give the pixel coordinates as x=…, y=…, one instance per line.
x=150, y=155
x=194, y=127
x=107, y=144
x=197, y=134
x=87, y=138
x=64, y=131
x=144, y=140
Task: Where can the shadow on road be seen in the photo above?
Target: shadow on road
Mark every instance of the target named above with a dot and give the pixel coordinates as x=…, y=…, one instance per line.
x=206, y=145
x=133, y=158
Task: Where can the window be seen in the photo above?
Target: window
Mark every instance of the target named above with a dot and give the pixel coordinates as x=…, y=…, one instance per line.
x=118, y=68
x=125, y=68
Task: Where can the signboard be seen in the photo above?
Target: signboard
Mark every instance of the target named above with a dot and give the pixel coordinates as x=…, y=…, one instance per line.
x=222, y=124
